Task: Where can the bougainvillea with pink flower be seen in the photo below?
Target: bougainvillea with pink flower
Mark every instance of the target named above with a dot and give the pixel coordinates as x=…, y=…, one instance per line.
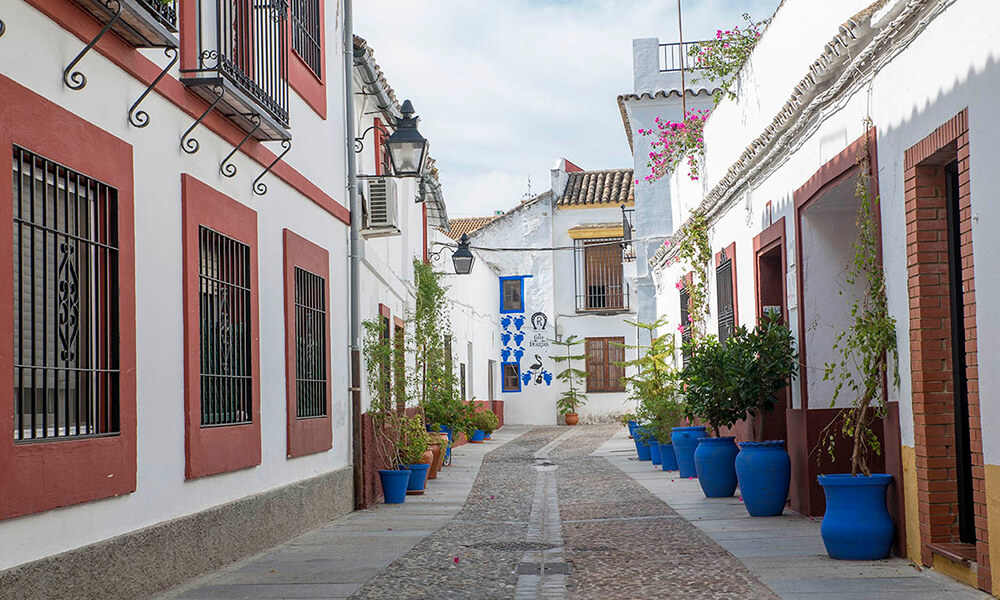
x=721, y=59
x=674, y=142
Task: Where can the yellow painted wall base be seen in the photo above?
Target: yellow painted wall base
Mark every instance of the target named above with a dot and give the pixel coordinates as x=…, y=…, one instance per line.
x=911, y=506
x=957, y=571
x=993, y=520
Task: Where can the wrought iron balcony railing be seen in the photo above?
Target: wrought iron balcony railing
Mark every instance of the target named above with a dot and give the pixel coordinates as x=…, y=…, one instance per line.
x=141, y=23
x=601, y=285
x=676, y=57
x=242, y=65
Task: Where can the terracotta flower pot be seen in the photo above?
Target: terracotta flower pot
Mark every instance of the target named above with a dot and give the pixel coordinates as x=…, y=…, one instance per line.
x=435, y=449
x=572, y=418
x=444, y=442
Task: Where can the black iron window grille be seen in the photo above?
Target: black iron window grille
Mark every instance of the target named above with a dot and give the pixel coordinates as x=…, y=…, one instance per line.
x=310, y=345
x=66, y=327
x=306, y=33
x=600, y=281
x=604, y=364
x=686, y=333
x=727, y=313
x=243, y=63
x=226, y=367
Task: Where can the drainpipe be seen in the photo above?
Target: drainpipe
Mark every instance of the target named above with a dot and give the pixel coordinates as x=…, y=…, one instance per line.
x=356, y=250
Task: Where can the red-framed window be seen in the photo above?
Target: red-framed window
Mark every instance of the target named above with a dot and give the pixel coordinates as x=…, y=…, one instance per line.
x=307, y=346
x=307, y=64
x=380, y=149
x=726, y=295
x=67, y=272
x=221, y=334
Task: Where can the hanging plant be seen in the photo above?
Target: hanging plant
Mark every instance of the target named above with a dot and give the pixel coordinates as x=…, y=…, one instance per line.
x=865, y=346
x=720, y=60
x=674, y=142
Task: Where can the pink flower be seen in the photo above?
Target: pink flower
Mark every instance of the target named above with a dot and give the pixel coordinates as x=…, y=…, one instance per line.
x=456, y=560
x=680, y=328
x=690, y=319
x=666, y=243
x=679, y=285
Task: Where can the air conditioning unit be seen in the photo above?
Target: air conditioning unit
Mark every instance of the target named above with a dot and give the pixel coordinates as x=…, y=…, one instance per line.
x=381, y=207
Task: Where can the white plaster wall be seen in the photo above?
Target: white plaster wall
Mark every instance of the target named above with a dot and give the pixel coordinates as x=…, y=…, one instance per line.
x=162, y=492
x=920, y=89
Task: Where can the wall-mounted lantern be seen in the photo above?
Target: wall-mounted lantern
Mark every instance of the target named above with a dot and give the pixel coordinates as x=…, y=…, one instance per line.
x=463, y=257
x=407, y=148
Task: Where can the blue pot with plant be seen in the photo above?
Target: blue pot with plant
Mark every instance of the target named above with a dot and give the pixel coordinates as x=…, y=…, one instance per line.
x=654, y=452
x=764, y=472
x=642, y=436
x=684, y=441
x=715, y=463
x=667, y=457
x=478, y=435
x=394, y=484
x=631, y=428
x=418, y=478
x=857, y=525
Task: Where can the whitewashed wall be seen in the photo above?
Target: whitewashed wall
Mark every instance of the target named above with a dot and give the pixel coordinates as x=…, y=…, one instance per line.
x=920, y=89
x=318, y=152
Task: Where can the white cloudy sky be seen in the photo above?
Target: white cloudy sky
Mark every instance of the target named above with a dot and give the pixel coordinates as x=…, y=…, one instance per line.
x=505, y=87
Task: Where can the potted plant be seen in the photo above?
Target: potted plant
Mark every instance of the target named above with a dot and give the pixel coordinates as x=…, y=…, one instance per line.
x=486, y=422
x=857, y=524
x=413, y=442
x=387, y=423
x=628, y=421
x=763, y=362
x=655, y=384
x=571, y=398
x=708, y=380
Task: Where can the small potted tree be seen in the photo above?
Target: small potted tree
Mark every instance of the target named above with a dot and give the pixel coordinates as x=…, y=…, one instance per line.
x=572, y=398
x=764, y=361
x=413, y=445
x=857, y=524
x=708, y=379
x=387, y=423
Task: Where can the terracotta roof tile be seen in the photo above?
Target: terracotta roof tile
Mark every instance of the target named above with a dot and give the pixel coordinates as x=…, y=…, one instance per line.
x=612, y=186
x=466, y=225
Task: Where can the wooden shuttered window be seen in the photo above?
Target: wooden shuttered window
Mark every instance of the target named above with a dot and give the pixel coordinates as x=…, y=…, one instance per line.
x=604, y=372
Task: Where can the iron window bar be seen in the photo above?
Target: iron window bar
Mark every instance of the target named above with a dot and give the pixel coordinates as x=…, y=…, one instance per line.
x=226, y=335
x=686, y=333
x=306, y=34
x=141, y=23
x=65, y=288
x=675, y=57
x=600, y=280
x=725, y=302
x=310, y=345
x=628, y=233
x=243, y=50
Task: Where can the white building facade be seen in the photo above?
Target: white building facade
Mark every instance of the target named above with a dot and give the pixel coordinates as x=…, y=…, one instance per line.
x=830, y=90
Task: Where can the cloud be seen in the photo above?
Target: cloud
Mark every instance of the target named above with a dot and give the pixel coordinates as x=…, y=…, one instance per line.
x=504, y=88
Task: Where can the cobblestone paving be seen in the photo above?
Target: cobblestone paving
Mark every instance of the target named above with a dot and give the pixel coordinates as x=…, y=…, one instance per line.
x=625, y=543
x=488, y=537
x=622, y=542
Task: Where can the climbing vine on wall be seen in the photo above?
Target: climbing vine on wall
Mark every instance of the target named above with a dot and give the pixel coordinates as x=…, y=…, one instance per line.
x=721, y=59
x=864, y=348
x=675, y=141
x=694, y=251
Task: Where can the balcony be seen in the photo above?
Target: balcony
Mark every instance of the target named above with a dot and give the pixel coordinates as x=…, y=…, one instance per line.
x=601, y=286
x=675, y=57
x=242, y=63
x=141, y=23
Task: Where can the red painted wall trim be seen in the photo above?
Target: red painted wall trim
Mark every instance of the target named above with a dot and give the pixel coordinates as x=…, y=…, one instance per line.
x=212, y=450
x=36, y=477
x=384, y=311
x=765, y=241
x=74, y=20
x=378, y=141
x=315, y=434
x=310, y=86
x=830, y=175
x=399, y=322
x=731, y=254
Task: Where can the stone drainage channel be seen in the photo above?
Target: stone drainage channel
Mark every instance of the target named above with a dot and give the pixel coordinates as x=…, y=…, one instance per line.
x=542, y=571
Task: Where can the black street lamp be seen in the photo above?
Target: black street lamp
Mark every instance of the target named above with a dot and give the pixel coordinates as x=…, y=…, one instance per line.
x=463, y=257
x=407, y=148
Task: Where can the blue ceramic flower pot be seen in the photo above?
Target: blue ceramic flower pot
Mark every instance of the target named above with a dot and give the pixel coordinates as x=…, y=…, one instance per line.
x=668, y=457
x=478, y=435
x=685, y=440
x=641, y=444
x=631, y=428
x=654, y=451
x=715, y=462
x=764, y=471
x=857, y=525
x=418, y=478
x=394, y=482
